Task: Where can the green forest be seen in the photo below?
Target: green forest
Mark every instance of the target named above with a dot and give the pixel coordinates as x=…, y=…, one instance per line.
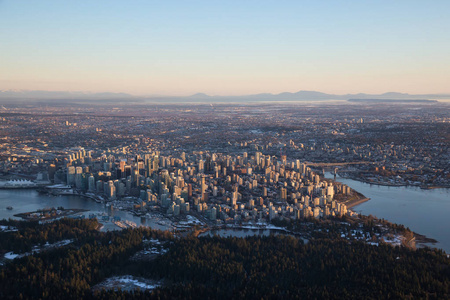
x=271, y=267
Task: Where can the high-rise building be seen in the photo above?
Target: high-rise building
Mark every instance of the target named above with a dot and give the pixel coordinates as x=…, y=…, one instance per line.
x=71, y=175
x=201, y=166
x=258, y=157
x=283, y=194
x=110, y=191
x=213, y=214
x=91, y=184
x=51, y=172
x=78, y=177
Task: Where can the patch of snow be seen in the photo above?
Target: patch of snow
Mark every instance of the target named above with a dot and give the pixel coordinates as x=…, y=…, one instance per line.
x=153, y=241
x=4, y=228
x=11, y=255
x=191, y=220
x=37, y=249
x=142, y=285
x=154, y=250
x=183, y=226
x=129, y=282
x=396, y=240
x=59, y=244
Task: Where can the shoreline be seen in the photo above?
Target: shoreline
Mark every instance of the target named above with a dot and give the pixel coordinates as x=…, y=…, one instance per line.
x=422, y=240
x=18, y=187
x=352, y=203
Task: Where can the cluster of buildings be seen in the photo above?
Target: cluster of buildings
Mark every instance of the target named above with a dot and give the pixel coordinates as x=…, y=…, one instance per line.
x=410, y=142
x=221, y=187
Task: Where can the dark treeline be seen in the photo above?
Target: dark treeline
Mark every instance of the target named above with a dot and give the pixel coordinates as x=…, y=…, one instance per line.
x=230, y=268
x=69, y=272
x=333, y=227
x=281, y=266
x=31, y=234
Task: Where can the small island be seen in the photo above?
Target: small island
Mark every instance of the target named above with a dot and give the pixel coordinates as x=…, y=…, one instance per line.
x=49, y=213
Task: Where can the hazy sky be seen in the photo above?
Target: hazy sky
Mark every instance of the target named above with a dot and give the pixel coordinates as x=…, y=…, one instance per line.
x=225, y=47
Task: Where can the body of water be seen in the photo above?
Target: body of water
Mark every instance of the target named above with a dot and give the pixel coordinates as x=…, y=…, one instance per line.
x=426, y=212
x=30, y=200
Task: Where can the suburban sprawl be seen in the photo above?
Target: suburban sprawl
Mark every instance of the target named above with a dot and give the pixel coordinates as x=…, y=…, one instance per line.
x=195, y=175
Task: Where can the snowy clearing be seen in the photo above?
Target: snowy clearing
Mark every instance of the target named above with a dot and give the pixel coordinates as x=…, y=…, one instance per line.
x=128, y=283
x=36, y=249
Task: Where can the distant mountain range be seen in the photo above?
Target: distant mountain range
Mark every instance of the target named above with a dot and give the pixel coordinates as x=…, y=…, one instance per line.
x=53, y=96
x=314, y=96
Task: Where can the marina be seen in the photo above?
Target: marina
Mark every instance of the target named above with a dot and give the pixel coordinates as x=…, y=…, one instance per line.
x=29, y=200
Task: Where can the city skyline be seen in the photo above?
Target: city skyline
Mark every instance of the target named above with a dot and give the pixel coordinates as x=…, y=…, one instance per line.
x=224, y=150
x=179, y=49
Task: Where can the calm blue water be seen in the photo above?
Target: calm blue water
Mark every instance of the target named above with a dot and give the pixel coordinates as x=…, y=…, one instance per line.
x=426, y=212
x=30, y=200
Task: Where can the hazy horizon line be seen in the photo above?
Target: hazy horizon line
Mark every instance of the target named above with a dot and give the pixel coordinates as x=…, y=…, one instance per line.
x=203, y=94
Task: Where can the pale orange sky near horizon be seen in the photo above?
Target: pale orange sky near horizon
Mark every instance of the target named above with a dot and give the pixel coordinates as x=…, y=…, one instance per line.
x=236, y=85
x=155, y=48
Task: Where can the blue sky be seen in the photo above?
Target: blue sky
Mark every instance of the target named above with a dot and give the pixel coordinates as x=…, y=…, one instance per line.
x=225, y=47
